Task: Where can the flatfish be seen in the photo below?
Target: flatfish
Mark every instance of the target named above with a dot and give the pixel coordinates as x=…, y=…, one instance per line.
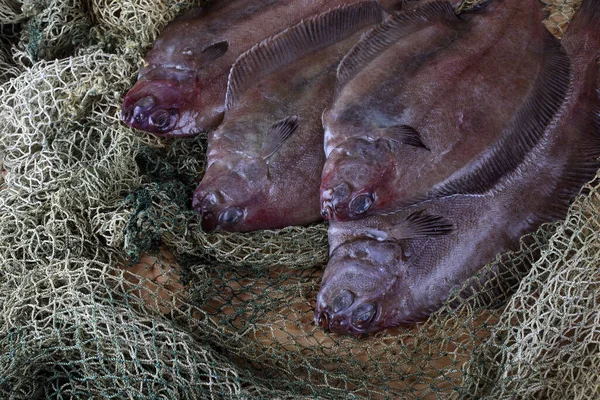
x=264, y=161
x=431, y=104
x=181, y=90
x=396, y=269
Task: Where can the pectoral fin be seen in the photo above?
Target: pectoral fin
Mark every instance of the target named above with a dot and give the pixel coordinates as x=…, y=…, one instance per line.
x=403, y=134
x=277, y=134
x=214, y=51
x=421, y=224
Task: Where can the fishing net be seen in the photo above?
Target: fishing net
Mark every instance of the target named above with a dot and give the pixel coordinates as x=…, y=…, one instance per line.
x=109, y=288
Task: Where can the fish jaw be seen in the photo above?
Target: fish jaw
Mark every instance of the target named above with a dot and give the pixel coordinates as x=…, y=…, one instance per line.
x=166, y=103
x=356, y=185
x=362, y=290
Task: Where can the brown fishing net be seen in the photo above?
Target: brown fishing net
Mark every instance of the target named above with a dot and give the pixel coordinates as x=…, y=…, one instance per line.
x=109, y=289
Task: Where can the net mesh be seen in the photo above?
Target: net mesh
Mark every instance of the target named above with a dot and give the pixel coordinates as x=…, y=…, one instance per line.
x=109, y=289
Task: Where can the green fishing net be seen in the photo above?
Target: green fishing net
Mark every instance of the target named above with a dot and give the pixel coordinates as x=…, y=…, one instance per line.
x=110, y=290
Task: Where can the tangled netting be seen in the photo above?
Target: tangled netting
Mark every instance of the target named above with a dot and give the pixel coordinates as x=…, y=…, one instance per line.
x=109, y=289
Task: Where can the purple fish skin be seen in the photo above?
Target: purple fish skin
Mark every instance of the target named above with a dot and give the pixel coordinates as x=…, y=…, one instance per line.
x=181, y=90
x=456, y=83
x=382, y=273
x=392, y=6
x=252, y=182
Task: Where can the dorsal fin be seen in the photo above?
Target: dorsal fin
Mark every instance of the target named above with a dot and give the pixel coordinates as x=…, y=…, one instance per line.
x=277, y=134
x=377, y=40
x=582, y=166
x=524, y=131
x=298, y=41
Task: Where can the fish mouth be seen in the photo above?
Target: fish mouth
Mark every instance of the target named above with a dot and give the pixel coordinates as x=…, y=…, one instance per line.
x=203, y=204
x=333, y=205
x=334, y=208
x=209, y=222
x=327, y=211
x=159, y=107
x=128, y=112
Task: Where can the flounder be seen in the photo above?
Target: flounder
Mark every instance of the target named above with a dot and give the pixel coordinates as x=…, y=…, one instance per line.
x=398, y=268
x=429, y=104
x=264, y=161
x=181, y=90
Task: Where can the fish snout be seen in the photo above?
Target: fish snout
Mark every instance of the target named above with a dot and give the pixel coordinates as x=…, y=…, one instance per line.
x=343, y=209
x=327, y=210
x=134, y=112
x=215, y=214
x=326, y=204
x=205, y=205
x=146, y=114
x=333, y=201
x=209, y=222
x=344, y=316
x=322, y=319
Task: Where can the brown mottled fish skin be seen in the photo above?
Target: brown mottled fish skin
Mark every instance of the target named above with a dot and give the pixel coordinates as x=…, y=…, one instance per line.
x=251, y=182
x=181, y=90
x=386, y=271
x=416, y=117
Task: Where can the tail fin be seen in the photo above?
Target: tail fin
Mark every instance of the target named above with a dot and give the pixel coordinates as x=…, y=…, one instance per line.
x=582, y=39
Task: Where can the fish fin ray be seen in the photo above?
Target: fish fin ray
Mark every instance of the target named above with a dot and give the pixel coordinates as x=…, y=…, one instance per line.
x=212, y=52
x=524, y=132
x=277, y=134
x=582, y=167
x=421, y=224
x=298, y=41
x=403, y=134
x=378, y=39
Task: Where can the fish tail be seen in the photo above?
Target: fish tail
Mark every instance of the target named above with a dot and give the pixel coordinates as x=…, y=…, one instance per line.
x=582, y=39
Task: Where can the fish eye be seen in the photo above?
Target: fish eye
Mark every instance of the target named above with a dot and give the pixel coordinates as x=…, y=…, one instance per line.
x=341, y=191
x=361, y=203
x=210, y=200
x=230, y=216
x=342, y=301
x=162, y=120
x=363, y=315
x=146, y=102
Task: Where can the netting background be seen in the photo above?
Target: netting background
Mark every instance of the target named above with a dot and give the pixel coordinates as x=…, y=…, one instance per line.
x=109, y=289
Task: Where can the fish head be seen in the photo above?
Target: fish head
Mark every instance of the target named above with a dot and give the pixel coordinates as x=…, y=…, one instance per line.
x=232, y=195
x=356, y=178
x=164, y=102
x=359, y=291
